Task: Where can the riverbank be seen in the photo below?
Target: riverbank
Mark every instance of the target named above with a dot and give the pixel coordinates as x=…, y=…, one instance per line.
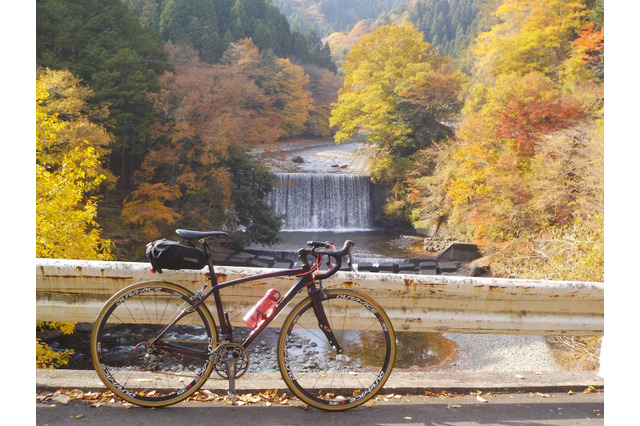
x=314, y=156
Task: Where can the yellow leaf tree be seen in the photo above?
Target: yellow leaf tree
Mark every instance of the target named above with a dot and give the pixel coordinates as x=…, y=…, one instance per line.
x=396, y=85
x=67, y=173
x=290, y=98
x=530, y=36
x=398, y=90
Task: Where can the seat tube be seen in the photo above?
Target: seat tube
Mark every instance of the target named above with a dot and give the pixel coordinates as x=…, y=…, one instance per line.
x=323, y=323
x=225, y=325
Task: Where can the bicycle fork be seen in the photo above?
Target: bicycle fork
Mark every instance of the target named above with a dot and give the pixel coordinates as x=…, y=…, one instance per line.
x=317, y=296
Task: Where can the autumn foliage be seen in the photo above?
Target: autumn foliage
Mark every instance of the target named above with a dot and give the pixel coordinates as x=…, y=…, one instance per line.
x=202, y=112
x=397, y=91
x=509, y=150
x=524, y=120
x=525, y=168
x=69, y=147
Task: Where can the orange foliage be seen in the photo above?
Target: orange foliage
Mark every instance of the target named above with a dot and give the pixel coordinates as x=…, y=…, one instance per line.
x=591, y=42
x=202, y=111
x=146, y=208
x=525, y=121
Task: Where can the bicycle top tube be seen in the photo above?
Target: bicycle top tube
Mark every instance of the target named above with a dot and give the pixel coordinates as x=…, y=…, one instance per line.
x=307, y=273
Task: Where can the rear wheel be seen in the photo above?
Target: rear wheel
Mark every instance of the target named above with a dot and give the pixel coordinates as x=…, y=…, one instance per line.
x=135, y=368
x=312, y=368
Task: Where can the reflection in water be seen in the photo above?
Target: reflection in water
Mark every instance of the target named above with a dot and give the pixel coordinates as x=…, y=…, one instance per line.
x=415, y=351
x=423, y=351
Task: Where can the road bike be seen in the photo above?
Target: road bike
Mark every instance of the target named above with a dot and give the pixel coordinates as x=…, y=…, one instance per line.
x=155, y=343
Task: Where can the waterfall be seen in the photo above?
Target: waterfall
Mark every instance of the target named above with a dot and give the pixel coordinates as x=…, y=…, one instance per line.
x=322, y=202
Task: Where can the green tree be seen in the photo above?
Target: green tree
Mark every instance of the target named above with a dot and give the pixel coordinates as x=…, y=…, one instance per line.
x=319, y=52
x=193, y=22
x=103, y=44
x=251, y=184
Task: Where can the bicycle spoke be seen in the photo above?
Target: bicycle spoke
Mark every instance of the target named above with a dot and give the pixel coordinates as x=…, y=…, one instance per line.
x=136, y=368
x=326, y=379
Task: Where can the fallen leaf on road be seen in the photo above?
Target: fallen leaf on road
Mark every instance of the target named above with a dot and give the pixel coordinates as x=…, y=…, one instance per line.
x=76, y=394
x=62, y=399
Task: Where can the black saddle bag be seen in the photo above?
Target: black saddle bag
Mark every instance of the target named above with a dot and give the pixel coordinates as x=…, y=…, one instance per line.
x=172, y=255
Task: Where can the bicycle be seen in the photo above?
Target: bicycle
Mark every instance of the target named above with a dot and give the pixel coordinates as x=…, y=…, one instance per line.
x=335, y=350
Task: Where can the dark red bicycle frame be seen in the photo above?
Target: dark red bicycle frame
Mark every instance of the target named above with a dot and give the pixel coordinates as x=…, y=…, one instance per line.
x=306, y=279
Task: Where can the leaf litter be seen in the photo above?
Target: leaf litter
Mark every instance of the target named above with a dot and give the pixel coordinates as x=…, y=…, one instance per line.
x=98, y=398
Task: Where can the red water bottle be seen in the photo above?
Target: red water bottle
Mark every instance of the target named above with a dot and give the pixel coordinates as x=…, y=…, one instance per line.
x=262, y=309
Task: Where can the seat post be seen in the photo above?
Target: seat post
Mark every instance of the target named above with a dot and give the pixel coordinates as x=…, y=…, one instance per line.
x=212, y=273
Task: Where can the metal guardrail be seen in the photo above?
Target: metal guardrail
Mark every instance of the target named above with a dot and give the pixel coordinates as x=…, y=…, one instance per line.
x=75, y=290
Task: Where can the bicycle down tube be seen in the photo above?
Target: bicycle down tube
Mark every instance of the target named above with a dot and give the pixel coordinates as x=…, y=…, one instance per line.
x=305, y=280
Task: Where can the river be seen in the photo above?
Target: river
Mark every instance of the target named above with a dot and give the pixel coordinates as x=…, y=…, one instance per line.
x=349, y=204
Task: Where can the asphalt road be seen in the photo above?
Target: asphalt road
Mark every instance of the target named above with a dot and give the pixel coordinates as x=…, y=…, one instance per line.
x=486, y=409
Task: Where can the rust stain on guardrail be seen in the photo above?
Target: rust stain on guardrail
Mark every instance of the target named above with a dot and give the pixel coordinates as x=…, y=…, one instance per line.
x=68, y=290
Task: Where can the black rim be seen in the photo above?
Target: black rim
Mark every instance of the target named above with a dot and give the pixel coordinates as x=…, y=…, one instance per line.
x=371, y=388
x=160, y=395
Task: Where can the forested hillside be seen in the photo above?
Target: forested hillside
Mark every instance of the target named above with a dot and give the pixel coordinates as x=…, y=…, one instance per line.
x=329, y=16
x=159, y=100
x=180, y=90
x=210, y=26
x=449, y=25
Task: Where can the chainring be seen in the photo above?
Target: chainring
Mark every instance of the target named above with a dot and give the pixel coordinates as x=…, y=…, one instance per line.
x=222, y=352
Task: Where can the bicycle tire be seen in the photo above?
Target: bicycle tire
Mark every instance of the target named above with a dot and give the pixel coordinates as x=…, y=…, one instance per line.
x=310, y=366
x=138, y=372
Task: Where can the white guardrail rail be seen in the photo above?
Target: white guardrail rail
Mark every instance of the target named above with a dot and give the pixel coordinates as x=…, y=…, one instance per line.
x=75, y=290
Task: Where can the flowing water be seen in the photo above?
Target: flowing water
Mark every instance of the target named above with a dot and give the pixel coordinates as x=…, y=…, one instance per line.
x=321, y=202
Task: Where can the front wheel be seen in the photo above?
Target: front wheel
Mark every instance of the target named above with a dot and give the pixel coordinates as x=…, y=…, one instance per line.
x=312, y=368
x=137, y=366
